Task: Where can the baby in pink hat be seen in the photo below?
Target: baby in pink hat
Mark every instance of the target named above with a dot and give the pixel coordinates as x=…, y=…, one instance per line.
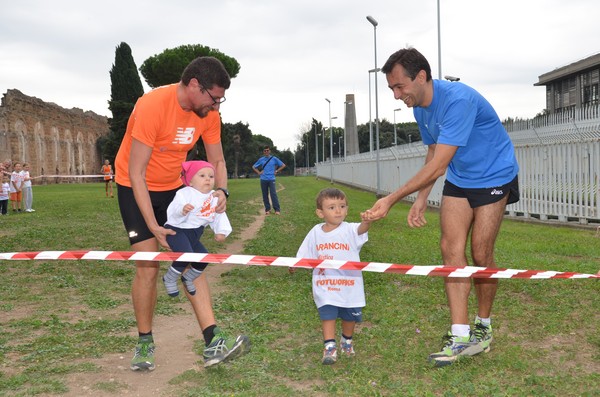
x=191, y=210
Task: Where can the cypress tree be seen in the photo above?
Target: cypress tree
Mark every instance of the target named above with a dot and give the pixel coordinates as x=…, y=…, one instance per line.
x=126, y=88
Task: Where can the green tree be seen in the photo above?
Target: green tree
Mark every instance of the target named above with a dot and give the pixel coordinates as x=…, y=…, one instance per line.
x=126, y=88
x=167, y=67
x=288, y=159
x=238, y=148
x=306, y=139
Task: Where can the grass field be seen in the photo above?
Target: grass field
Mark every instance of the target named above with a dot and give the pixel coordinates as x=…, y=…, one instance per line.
x=57, y=316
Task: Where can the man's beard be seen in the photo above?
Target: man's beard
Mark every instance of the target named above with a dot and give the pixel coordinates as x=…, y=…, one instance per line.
x=202, y=112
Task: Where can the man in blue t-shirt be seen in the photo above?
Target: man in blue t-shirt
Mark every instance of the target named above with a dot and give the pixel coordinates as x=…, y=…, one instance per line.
x=467, y=142
x=267, y=167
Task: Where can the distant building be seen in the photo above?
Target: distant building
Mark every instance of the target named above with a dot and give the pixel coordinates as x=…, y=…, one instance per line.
x=52, y=139
x=572, y=86
x=350, y=128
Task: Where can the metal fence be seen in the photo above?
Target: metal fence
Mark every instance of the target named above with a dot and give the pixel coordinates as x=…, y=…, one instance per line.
x=558, y=155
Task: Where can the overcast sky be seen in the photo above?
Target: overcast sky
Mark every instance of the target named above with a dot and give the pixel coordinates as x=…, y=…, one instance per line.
x=294, y=54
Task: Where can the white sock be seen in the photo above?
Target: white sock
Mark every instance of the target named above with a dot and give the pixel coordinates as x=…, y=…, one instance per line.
x=485, y=321
x=460, y=329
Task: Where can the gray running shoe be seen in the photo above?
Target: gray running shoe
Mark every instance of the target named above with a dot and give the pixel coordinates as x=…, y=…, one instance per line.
x=223, y=348
x=143, y=357
x=453, y=348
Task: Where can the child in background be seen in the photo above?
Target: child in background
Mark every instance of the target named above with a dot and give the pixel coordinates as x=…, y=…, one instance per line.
x=108, y=177
x=27, y=190
x=5, y=167
x=16, y=186
x=190, y=211
x=4, y=192
x=337, y=293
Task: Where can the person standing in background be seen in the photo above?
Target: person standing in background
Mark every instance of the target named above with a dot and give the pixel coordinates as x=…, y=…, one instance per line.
x=16, y=186
x=267, y=167
x=27, y=190
x=4, y=192
x=108, y=177
x=5, y=167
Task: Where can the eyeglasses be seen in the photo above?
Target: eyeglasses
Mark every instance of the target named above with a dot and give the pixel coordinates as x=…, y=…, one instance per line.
x=266, y=151
x=215, y=101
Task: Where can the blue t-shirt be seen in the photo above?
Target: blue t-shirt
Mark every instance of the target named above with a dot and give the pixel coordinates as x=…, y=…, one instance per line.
x=269, y=169
x=460, y=116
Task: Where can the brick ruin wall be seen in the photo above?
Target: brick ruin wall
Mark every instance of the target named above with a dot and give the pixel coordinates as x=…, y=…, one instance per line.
x=52, y=139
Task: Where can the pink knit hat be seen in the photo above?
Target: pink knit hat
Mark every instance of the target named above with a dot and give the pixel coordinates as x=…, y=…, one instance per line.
x=190, y=168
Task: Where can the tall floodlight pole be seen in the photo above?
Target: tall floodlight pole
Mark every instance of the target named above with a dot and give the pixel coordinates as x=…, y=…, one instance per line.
x=370, y=120
x=330, y=140
x=316, y=147
x=439, y=42
x=331, y=118
x=307, y=155
x=395, y=135
x=323, y=142
x=374, y=23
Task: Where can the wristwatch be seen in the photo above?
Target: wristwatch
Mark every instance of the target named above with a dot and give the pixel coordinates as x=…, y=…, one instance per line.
x=225, y=191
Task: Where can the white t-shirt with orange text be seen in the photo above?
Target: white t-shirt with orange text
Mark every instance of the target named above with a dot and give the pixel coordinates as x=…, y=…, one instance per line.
x=341, y=288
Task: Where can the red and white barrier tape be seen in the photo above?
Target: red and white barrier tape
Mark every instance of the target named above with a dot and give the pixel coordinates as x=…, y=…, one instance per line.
x=441, y=271
x=68, y=176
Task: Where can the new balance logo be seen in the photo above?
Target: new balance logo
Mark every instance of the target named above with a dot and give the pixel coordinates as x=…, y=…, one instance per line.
x=497, y=192
x=184, y=137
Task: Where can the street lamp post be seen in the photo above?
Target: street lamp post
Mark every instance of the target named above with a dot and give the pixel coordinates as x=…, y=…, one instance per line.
x=323, y=145
x=370, y=121
x=374, y=23
x=316, y=147
x=307, y=155
x=330, y=140
x=395, y=135
x=439, y=42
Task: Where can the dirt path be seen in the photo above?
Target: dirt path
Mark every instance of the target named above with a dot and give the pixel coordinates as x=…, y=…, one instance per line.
x=175, y=336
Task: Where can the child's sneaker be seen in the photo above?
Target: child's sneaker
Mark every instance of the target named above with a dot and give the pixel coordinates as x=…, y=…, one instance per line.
x=223, y=348
x=453, y=349
x=347, y=348
x=329, y=354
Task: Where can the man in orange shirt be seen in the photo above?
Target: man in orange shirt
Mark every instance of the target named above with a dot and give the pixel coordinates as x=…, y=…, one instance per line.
x=164, y=126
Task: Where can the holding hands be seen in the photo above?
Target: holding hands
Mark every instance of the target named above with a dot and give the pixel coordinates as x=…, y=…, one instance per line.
x=415, y=218
x=379, y=210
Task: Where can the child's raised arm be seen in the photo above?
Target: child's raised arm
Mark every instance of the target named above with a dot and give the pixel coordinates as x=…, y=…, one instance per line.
x=364, y=225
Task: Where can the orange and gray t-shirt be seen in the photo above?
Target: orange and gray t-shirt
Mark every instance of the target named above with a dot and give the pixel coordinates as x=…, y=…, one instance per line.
x=159, y=121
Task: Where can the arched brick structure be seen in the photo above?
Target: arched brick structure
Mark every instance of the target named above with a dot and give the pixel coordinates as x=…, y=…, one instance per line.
x=52, y=139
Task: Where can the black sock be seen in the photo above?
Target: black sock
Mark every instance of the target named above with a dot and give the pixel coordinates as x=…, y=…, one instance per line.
x=146, y=335
x=325, y=342
x=209, y=333
x=346, y=337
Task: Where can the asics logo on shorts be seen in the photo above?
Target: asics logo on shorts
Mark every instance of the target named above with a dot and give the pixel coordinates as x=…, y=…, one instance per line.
x=184, y=137
x=497, y=192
